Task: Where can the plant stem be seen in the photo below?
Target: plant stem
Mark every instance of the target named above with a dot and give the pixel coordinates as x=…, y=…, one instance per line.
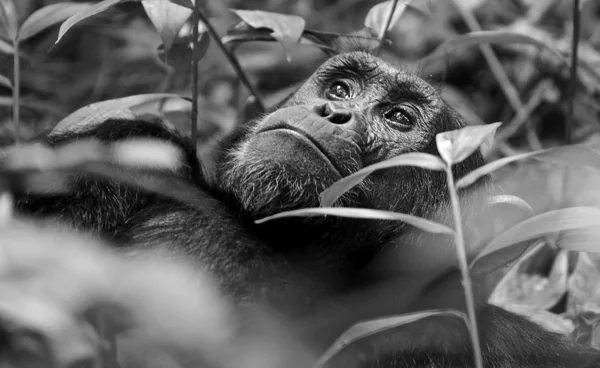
x=461, y=255
x=195, y=60
x=233, y=61
x=16, y=92
x=573, y=76
x=388, y=21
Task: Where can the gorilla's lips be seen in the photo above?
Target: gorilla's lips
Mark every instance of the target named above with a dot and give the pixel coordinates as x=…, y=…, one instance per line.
x=301, y=143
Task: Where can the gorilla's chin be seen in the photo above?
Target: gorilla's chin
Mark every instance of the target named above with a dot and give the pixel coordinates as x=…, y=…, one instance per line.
x=276, y=171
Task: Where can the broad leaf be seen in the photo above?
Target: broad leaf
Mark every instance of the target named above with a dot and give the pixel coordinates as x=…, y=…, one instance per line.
x=369, y=328
x=579, y=155
x=456, y=145
x=4, y=81
x=49, y=16
x=487, y=37
x=287, y=29
x=363, y=213
x=419, y=159
x=9, y=18
x=168, y=18
x=378, y=15
x=546, y=223
x=100, y=111
x=90, y=12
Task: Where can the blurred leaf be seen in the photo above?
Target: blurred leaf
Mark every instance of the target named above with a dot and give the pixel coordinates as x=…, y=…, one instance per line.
x=579, y=155
x=4, y=81
x=364, y=213
x=456, y=145
x=100, y=111
x=379, y=14
x=368, y=328
x=49, y=16
x=9, y=19
x=486, y=37
x=6, y=47
x=546, y=223
x=419, y=159
x=185, y=3
x=95, y=9
x=287, y=29
x=168, y=18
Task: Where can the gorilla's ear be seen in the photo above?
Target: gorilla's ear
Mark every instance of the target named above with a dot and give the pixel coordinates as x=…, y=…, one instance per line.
x=500, y=213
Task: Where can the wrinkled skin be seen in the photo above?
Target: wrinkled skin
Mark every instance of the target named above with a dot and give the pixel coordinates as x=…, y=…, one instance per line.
x=354, y=111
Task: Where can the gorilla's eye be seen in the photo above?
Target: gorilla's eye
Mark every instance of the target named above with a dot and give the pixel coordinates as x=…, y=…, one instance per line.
x=398, y=116
x=338, y=91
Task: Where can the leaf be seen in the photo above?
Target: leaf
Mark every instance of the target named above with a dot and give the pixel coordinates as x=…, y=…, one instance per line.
x=456, y=145
x=100, y=111
x=168, y=19
x=6, y=47
x=95, y=9
x=584, y=156
x=363, y=213
x=287, y=29
x=419, y=159
x=49, y=16
x=487, y=37
x=546, y=223
x=372, y=327
x=4, y=81
x=379, y=14
x=9, y=20
x=580, y=240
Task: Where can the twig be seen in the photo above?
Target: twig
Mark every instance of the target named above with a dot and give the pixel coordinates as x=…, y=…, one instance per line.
x=573, y=76
x=509, y=90
x=388, y=21
x=195, y=59
x=464, y=269
x=233, y=61
x=16, y=91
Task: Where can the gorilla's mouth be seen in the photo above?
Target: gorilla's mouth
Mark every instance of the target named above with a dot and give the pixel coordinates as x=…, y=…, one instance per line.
x=311, y=142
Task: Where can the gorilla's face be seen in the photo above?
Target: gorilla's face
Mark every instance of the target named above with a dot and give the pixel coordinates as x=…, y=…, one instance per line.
x=354, y=111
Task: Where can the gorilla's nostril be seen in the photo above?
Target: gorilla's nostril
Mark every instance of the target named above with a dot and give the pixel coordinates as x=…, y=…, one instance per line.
x=339, y=117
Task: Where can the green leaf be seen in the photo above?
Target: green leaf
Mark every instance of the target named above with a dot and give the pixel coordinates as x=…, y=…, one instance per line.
x=363, y=213
x=379, y=14
x=372, y=327
x=4, y=81
x=287, y=29
x=100, y=111
x=6, y=47
x=546, y=223
x=487, y=37
x=9, y=19
x=419, y=159
x=456, y=145
x=168, y=18
x=580, y=240
x=578, y=155
x=95, y=9
x=49, y=16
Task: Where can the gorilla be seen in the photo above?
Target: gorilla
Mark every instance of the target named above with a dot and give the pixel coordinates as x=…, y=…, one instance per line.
x=325, y=272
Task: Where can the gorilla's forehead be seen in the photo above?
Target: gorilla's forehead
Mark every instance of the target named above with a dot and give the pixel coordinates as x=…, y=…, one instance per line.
x=396, y=80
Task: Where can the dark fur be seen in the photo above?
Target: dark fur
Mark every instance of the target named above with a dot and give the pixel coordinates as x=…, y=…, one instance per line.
x=292, y=263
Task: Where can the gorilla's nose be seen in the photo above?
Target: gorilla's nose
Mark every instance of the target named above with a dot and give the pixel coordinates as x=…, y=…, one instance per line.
x=333, y=114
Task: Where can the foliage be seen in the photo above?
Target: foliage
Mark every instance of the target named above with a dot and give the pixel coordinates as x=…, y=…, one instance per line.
x=190, y=32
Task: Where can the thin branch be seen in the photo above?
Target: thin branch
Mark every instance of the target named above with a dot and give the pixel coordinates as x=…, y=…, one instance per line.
x=509, y=90
x=195, y=59
x=233, y=61
x=573, y=77
x=461, y=255
x=388, y=21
